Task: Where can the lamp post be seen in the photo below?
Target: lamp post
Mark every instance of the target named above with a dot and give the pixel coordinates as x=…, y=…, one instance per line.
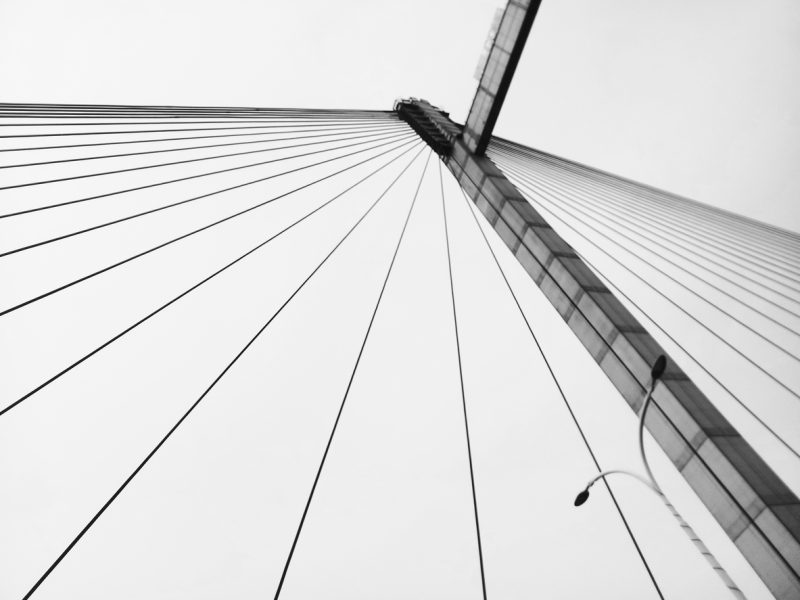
x=649, y=480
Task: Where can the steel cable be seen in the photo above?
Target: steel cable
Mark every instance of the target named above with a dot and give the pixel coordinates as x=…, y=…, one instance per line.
x=191, y=408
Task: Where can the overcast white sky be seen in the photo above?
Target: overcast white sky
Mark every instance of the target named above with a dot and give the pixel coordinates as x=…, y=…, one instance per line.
x=700, y=98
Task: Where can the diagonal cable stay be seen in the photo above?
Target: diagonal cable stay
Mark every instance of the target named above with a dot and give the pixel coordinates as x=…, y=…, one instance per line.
x=264, y=140
x=207, y=195
x=347, y=390
x=461, y=387
x=182, y=237
x=187, y=161
x=191, y=289
x=169, y=181
x=197, y=402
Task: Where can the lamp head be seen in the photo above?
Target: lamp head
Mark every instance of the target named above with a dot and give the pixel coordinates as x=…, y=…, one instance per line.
x=582, y=497
x=658, y=368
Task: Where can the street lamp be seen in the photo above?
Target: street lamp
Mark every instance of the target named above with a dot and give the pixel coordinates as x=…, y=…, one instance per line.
x=649, y=480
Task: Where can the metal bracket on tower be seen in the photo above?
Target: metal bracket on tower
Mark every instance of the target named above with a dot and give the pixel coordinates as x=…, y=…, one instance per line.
x=432, y=124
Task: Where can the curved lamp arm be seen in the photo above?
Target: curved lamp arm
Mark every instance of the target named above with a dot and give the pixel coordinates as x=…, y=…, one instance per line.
x=650, y=481
x=636, y=476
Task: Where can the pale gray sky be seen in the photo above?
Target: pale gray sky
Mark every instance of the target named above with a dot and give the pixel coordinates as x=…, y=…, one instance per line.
x=696, y=97
x=700, y=98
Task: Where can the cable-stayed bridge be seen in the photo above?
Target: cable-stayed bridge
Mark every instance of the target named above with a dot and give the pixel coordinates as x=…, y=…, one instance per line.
x=116, y=219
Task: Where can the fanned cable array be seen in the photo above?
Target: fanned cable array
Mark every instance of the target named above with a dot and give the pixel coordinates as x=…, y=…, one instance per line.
x=99, y=190
x=49, y=181
x=89, y=194
x=46, y=149
x=720, y=289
